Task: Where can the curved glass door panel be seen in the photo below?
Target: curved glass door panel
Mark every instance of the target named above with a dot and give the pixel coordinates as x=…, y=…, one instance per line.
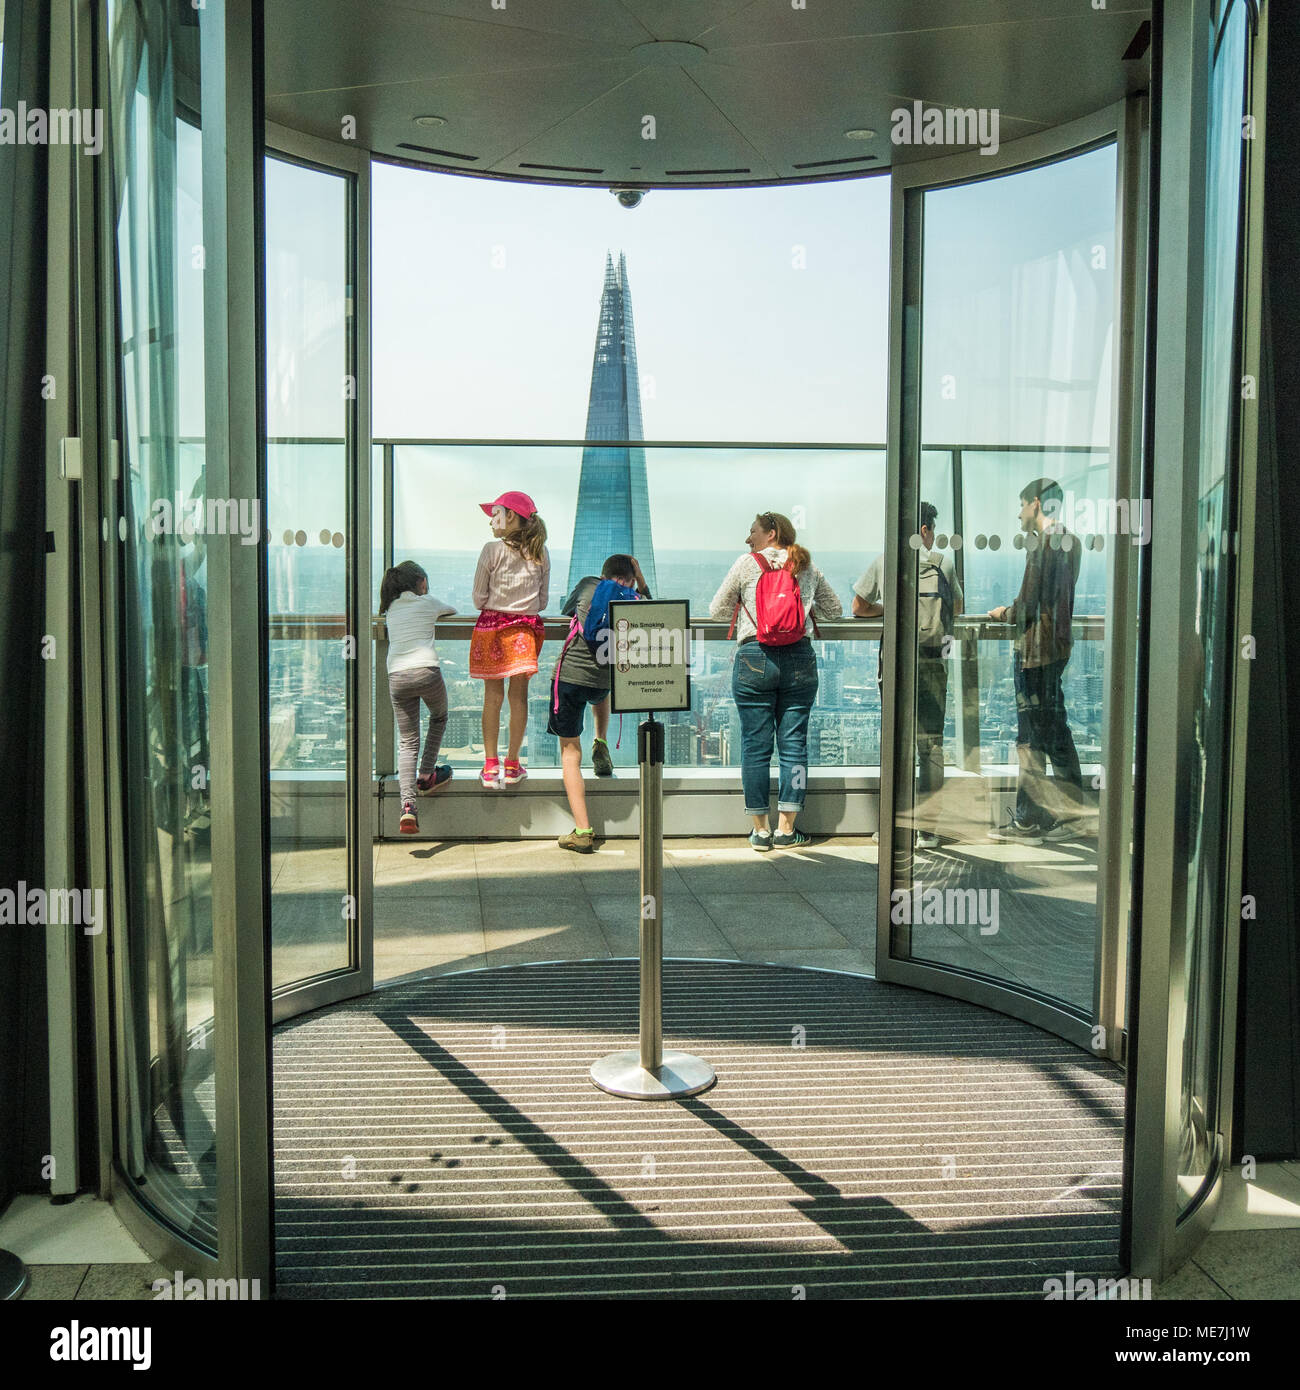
x=168, y=1038
x=309, y=398
x=1216, y=524
x=1009, y=521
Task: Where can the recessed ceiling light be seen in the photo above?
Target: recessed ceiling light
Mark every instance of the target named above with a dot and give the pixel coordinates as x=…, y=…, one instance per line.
x=860, y=134
x=430, y=120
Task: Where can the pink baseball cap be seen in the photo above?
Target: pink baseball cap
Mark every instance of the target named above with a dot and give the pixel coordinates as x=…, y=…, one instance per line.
x=516, y=501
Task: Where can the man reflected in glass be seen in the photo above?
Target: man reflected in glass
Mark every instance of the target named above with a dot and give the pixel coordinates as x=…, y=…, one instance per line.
x=939, y=600
x=1043, y=613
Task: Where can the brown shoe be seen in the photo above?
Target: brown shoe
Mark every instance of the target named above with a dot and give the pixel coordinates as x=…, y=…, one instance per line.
x=579, y=843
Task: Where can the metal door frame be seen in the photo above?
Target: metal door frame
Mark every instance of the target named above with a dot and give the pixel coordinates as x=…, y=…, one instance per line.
x=1159, y=1238
x=1120, y=124
x=302, y=996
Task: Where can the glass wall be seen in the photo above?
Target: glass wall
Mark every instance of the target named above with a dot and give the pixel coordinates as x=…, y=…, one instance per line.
x=169, y=1142
x=997, y=793
x=308, y=399
x=835, y=497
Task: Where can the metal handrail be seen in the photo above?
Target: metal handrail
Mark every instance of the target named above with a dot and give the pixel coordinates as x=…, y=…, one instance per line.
x=972, y=627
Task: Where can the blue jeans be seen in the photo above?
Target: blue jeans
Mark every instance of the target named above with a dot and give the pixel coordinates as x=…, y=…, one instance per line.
x=774, y=689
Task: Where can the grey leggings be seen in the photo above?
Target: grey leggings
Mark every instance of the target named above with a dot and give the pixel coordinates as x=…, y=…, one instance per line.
x=408, y=688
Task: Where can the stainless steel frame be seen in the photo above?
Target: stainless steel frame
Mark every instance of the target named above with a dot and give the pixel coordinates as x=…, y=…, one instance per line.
x=1160, y=1239
x=909, y=183
x=61, y=869
x=305, y=995
x=235, y=392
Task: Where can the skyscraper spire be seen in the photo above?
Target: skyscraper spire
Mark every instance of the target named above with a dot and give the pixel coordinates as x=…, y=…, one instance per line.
x=613, y=513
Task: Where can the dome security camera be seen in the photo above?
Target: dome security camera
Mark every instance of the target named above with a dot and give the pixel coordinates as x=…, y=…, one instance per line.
x=628, y=197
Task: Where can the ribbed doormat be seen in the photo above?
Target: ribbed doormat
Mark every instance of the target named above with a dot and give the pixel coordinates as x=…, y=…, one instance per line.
x=441, y=1139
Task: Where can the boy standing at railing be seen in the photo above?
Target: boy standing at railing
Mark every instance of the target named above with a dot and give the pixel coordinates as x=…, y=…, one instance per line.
x=581, y=679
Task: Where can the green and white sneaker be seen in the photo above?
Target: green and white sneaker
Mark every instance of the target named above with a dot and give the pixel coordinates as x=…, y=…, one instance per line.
x=600, y=758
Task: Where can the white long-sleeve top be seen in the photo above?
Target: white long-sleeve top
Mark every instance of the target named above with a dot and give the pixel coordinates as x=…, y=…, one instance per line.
x=508, y=582
x=741, y=584
x=411, y=620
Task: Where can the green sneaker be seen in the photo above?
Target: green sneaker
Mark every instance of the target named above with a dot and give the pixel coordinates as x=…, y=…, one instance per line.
x=580, y=841
x=600, y=758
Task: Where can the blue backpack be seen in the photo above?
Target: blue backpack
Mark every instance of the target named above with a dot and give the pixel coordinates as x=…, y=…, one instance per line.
x=607, y=591
x=595, y=628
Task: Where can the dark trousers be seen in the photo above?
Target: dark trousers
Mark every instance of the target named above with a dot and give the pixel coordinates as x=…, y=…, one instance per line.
x=931, y=709
x=1042, y=733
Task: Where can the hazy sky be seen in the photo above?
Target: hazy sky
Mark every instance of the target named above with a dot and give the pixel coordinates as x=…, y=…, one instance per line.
x=760, y=314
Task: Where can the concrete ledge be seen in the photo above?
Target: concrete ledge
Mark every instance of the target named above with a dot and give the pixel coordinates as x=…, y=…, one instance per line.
x=697, y=801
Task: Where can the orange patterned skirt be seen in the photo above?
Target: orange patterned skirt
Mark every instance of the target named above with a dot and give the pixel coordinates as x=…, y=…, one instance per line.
x=505, y=644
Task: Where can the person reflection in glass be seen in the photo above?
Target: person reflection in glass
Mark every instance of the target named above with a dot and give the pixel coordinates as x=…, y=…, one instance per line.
x=1043, y=612
x=939, y=600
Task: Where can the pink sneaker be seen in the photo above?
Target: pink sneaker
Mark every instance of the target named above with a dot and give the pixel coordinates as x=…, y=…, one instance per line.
x=515, y=772
x=410, y=822
x=491, y=774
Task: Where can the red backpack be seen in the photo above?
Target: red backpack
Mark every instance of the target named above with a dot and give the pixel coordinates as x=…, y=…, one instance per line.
x=781, y=618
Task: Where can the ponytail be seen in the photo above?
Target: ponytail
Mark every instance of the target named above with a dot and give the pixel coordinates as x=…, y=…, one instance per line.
x=798, y=559
x=530, y=539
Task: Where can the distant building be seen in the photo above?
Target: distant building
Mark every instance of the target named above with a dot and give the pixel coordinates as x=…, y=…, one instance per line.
x=613, y=515
x=681, y=745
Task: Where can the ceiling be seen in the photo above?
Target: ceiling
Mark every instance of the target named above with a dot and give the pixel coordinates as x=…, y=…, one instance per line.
x=740, y=91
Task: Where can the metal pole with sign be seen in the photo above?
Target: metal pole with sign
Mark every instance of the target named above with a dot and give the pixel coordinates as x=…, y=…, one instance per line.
x=650, y=672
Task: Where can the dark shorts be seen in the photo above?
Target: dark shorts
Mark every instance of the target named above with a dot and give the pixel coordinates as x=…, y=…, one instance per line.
x=566, y=720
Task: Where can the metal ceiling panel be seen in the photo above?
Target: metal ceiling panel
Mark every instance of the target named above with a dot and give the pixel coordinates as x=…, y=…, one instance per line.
x=766, y=92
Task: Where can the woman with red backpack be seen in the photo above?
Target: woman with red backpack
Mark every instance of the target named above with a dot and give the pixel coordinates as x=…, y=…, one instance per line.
x=771, y=595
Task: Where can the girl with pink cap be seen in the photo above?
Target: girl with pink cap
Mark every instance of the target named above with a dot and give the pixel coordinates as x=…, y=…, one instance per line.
x=511, y=587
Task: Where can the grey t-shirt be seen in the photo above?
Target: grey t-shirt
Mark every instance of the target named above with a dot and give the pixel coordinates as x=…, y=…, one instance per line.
x=579, y=665
x=870, y=588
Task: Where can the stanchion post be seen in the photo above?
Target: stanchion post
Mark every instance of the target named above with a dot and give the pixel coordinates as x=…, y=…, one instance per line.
x=650, y=757
x=648, y=1072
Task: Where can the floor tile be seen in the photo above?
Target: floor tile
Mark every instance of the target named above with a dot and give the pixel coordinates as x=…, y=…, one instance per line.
x=396, y=914
x=394, y=965
x=1253, y=1264
x=752, y=877
x=50, y=1283
x=848, y=911
x=685, y=934
x=856, y=962
x=449, y=869
x=779, y=921
x=1191, y=1282
x=40, y=1232
x=123, y=1282
x=1271, y=1200
x=542, y=914
x=565, y=947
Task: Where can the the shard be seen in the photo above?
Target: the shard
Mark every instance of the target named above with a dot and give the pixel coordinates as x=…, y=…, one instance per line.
x=613, y=499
